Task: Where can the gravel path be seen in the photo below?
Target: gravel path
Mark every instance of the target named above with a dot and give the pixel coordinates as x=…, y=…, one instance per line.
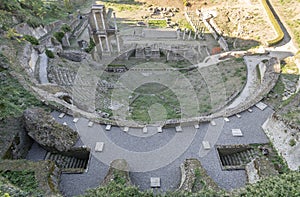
x=134, y=148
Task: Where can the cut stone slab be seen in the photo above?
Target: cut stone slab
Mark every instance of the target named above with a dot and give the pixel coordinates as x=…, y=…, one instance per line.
x=90, y=124
x=108, y=127
x=75, y=120
x=196, y=126
x=99, y=146
x=206, y=145
x=236, y=133
x=126, y=129
x=178, y=129
x=159, y=129
x=238, y=115
x=213, y=123
x=250, y=110
x=226, y=119
x=155, y=182
x=61, y=115
x=145, y=130
x=261, y=106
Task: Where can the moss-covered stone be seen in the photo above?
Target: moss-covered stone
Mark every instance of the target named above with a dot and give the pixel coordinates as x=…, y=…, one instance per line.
x=43, y=128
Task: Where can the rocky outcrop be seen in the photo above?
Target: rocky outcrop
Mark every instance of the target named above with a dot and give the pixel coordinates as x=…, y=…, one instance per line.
x=118, y=170
x=14, y=141
x=285, y=140
x=75, y=56
x=53, y=136
x=46, y=174
x=193, y=175
x=38, y=32
x=259, y=168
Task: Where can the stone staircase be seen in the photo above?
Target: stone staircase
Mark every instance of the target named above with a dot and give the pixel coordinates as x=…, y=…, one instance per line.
x=67, y=162
x=84, y=88
x=238, y=159
x=61, y=76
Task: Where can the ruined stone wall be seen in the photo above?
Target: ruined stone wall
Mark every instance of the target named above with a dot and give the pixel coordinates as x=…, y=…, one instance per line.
x=281, y=133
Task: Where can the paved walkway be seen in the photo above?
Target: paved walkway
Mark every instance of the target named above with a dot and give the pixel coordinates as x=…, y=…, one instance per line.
x=161, y=154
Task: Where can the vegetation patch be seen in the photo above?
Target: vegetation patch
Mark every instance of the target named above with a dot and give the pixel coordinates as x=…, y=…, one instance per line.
x=49, y=53
x=25, y=180
x=31, y=39
x=65, y=28
x=14, y=99
x=91, y=46
x=59, y=36
x=158, y=23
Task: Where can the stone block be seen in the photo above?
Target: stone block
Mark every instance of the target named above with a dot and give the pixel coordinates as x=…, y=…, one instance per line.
x=99, y=146
x=155, y=182
x=236, y=133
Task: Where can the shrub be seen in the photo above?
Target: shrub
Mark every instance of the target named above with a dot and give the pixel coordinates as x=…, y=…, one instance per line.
x=31, y=39
x=25, y=180
x=65, y=28
x=34, y=22
x=59, y=36
x=292, y=142
x=49, y=53
x=91, y=46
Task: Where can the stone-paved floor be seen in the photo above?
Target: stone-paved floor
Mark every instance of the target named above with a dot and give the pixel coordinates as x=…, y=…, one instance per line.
x=158, y=154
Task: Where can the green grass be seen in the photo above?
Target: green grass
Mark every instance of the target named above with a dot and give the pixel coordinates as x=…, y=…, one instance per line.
x=36, y=12
x=157, y=23
x=184, y=24
x=151, y=95
x=14, y=99
x=121, y=6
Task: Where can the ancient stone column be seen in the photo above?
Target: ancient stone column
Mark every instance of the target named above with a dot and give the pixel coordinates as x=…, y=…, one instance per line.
x=183, y=37
x=195, y=36
x=115, y=22
x=102, y=19
x=116, y=33
x=95, y=20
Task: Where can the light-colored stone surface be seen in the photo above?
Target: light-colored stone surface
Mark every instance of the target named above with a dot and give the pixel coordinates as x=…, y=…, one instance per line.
x=99, y=146
x=61, y=115
x=159, y=129
x=108, y=127
x=126, y=129
x=236, y=132
x=178, y=129
x=145, y=130
x=75, y=120
x=155, y=182
x=90, y=124
x=206, y=145
x=261, y=106
x=252, y=173
x=213, y=123
x=280, y=134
